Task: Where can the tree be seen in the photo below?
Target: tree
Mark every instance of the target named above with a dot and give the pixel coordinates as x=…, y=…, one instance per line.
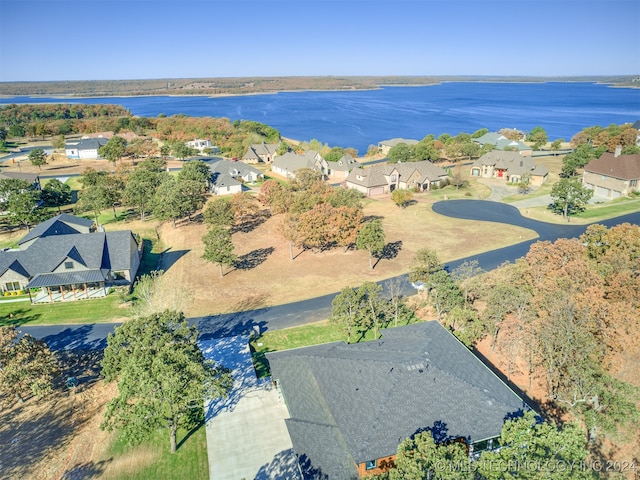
x=373, y=306
x=372, y=239
x=196, y=171
x=142, y=183
x=244, y=206
x=55, y=194
x=90, y=176
x=570, y=196
x=345, y=310
x=154, y=294
x=463, y=273
x=402, y=197
x=162, y=377
x=92, y=199
x=218, y=247
x=538, y=136
x=114, y=149
x=21, y=199
x=218, y=212
x=556, y=144
x=37, y=157
x=167, y=202
x=557, y=452
x=335, y=154
x=446, y=295
x=400, y=153
x=425, y=264
x=421, y=458
x=27, y=366
x=59, y=142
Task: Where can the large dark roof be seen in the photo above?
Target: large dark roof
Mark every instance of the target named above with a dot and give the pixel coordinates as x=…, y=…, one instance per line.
x=376, y=394
x=625, y=167
x=63, y=224
x=70, y=278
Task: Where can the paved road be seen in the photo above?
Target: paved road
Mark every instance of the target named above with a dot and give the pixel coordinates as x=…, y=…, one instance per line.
x=315, y=309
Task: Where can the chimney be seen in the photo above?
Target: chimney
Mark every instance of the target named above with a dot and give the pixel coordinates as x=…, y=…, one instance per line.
x=618, y=151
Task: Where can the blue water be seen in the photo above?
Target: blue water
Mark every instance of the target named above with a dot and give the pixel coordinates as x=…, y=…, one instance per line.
x=361, y=118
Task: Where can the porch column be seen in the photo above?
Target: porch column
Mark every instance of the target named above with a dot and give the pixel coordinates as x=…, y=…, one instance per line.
x=49, y=292
x=29, y=292
x=73, y=289
x=86, y=291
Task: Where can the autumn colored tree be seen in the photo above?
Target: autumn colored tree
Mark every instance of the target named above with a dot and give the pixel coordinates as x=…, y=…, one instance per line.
x=244, y=206
x=402, y=197
x=27, y=366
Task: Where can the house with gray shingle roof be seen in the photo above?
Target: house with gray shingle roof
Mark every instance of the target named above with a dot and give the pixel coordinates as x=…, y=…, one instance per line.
x=84, y=149
x=385, y=145
x=613, y=175
x=340, y=169
x=381, y=179
x=62, y=259
x=227, y=177
x=287, y=164
x=509, y=166
x=260, y=152
x=350, y=406
x=501, y=142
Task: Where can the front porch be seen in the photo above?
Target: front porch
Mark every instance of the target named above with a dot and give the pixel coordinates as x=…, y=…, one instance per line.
x=51, y=295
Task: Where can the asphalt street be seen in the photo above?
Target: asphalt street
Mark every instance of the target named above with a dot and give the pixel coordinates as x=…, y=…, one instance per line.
x=277, y=317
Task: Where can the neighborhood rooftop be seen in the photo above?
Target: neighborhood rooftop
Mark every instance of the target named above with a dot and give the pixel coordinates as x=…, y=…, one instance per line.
x=369, y=397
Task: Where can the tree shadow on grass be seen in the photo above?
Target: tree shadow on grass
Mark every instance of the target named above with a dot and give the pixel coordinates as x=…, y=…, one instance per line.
x=252, y=222
x=80, y=471
x=389, y=252
x=19, y=316
x=253, y=259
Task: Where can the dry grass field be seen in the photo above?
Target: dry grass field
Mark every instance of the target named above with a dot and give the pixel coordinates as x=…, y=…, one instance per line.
x=271, y=278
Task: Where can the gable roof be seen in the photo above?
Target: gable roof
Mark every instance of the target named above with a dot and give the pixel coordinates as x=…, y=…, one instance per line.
x=232, y=168
x=624, y=167
x=95, y=251
x=63, y=224
x=345, y=164
x=500, y=141
x=256, y=150
x=512, y=162
x=87, y=144
x=376, y=175
x=30, y=177
x=378, y=393
x=292, y=161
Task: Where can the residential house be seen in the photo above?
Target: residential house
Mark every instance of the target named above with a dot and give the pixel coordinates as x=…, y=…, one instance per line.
x=509, y=166
x=85, y=149
x=201, y=145
x=287, y=164
x=32, y=178
x=350, y=406
x=385, y=145
x=62, y=259
x=500, y=142
x=340, y=170
x=613, y=175
x=227, y=177
x=260, y=152
x=381, y=179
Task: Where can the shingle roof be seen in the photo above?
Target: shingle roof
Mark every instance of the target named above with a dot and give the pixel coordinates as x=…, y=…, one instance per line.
x=257, y=149
x=512, y=162
x=87, y=144
x=30, y=177
x=292, y=161
x=59, y=225
x=375, y=175
x=379, y=393
x=99, y=250
x=625, y=167
x=232, y=168
x=345, y=164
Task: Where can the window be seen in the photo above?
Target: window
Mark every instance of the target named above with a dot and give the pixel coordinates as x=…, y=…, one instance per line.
x=393, y=178
x=68, y=265
x=371, y=464
x=633, y=183
x=604, y=177
x=11, y=286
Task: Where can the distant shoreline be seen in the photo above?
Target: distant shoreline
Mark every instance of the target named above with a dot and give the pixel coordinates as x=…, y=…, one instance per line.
x=233, y=87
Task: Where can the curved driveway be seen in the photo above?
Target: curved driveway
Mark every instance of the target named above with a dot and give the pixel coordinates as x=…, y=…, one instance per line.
x=315, y=309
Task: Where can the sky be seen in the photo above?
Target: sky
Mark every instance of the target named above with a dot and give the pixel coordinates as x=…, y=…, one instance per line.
x=138, y=39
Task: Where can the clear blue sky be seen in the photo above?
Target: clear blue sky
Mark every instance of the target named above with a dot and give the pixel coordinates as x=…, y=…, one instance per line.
x=114, y=39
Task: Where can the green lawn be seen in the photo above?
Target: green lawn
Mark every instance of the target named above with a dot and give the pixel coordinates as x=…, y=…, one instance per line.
x=100, y=310
x=152, y=459
x=593, y=213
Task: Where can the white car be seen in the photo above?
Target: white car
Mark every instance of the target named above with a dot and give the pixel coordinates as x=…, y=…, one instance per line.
x=418, y=285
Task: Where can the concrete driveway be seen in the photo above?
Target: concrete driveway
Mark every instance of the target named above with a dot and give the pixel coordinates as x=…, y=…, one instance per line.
x=247, y=437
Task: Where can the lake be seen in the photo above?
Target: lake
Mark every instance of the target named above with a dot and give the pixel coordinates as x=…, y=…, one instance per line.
x=361, y=118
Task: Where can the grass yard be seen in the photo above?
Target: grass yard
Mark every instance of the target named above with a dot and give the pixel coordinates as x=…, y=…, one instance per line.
x=101, y=310
x=152, y=459
x=593, y=213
